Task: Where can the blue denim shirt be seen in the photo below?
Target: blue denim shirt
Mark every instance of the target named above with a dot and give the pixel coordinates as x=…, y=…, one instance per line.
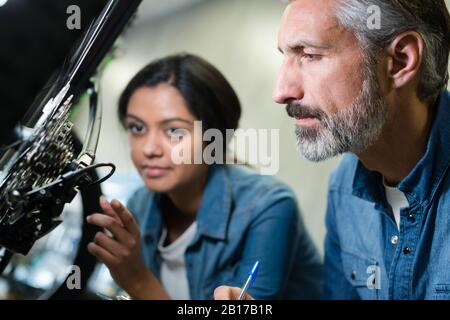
x=366, y=256
x=243, y=217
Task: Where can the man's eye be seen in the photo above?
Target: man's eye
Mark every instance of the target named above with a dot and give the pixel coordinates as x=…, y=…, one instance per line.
x=311, y=57
x=176, y=133
x=135, y=128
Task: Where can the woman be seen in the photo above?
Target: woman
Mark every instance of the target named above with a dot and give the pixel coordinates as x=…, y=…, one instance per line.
x=196, y=226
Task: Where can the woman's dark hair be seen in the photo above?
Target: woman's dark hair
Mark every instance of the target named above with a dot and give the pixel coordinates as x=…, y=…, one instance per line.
x=208, y=95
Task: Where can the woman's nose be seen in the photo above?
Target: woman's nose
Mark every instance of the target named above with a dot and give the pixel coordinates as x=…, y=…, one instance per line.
x=153, y=146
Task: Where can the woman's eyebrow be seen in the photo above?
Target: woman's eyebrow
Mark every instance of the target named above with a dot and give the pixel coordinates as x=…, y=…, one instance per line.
x=134, y=117
x=165, y=121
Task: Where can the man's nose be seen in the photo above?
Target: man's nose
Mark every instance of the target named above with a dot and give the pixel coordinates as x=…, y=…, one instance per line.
x=289, y=84
x=153, y=145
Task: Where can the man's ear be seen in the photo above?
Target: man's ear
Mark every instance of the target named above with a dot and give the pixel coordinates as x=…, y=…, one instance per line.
x=405, y=56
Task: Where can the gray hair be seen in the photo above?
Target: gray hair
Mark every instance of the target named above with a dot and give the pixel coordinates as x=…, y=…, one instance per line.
x=430, y=18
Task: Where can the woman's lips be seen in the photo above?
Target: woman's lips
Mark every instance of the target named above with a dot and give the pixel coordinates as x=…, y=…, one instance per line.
x=154, y=171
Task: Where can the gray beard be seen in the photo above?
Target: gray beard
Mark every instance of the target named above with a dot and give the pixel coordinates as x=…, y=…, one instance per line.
x=352, y=130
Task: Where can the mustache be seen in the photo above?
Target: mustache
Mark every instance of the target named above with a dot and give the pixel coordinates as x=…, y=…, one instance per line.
x=296, y=110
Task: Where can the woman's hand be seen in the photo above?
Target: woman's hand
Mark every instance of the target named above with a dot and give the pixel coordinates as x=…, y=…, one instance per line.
x=121, y=252
x=229, y=293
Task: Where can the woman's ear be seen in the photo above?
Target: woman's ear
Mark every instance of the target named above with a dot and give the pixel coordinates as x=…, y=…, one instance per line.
x=405, y=56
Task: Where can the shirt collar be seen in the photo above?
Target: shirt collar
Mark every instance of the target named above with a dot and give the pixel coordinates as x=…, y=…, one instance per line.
x=215, y=209
x=368, y=185
x=423, y=181
x=152, y=223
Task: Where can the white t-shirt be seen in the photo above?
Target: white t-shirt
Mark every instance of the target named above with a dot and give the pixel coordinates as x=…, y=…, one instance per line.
x=173, y=269
x=397, y=201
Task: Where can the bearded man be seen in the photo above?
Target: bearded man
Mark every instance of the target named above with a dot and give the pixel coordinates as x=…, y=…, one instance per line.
x=378, y=95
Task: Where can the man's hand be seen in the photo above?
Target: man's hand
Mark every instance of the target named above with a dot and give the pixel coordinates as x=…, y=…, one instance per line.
x=121, y=253
x=229, y=293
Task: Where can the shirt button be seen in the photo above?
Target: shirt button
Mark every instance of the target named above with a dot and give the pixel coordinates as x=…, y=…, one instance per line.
x=353, y=275
x=406, y=250
x=394, y=239
x=411, y=217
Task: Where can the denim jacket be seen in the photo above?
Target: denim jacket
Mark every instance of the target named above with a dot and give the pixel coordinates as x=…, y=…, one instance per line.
x=366, y=256
x=243, y=217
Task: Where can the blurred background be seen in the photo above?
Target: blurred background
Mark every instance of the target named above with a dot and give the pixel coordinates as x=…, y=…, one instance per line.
x=240, y=38
x=237, y=36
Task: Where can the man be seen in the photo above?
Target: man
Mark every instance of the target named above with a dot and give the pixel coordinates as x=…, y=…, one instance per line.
x=378, y=93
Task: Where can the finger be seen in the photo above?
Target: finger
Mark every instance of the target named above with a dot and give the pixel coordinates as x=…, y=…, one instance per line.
x=233, y=293
x=110, y=245
x=248, y=297
x=127, y=218
x=229, y=293
x=222, y=293
x=101, y=254
x=106, y=207
x=110, y=224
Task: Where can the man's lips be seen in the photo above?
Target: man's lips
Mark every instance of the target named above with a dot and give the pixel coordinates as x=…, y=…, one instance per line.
x=303, y=115
x=154, y=171
x=306, y=121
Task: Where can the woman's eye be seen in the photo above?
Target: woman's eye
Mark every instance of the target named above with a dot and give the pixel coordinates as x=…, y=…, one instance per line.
x=176, y=133
x=135, y=128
